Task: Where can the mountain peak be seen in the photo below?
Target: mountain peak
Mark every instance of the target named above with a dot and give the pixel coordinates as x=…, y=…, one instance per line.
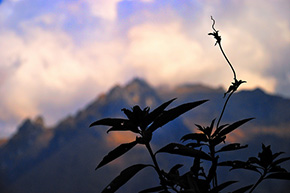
x=138, y=83
x=39, y=120
x=29, y=126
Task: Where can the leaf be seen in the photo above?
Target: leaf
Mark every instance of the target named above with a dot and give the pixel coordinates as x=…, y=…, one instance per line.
x=275, y=155
x=117, y=152
x=195, y=136
x=232, y=147
x=217, y=140
x=265, y=156
x=137, y=115
x=128, y=113
x=156, y=113
x=194, y=145
x=222, y=186
x=280, y=176
x=108, y=122
x=280, y=161
x=243, y=189
x=124, y=177
x=200, y=127
x=174, y=169
x=154, y=189
x=278, y=169
x=208, y=130
x=233, y=126
x=173, y=113
x=239, y=165
x=117, y=124
x=179, y=149
x=219, y=129
x=254, y=160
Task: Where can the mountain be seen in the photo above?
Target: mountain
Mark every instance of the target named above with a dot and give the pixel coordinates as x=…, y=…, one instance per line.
x=63, y=158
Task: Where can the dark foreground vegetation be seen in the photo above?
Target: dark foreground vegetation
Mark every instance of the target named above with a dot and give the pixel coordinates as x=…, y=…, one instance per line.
x=206, y=148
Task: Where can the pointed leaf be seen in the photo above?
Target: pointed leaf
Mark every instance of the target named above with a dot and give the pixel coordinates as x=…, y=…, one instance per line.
x=275, y=155
x=232, y=147
x=243, y=189
x=124, y=177
x=128, y=113
x=222, y=186
x=217, y=140
x=265, y=156
x=278, y=169
x=117, y=152
x=280, y=161
x=254, y=160
x=194, y=145
x=173, y=113
x=195, y=136
x=280, y=176
x=208, y=130
x=179, y=149
x=117, y=124
x=109, y=122
x=156, y=113
x=174, y=169
x=219, y=129
x=239, y=165
x=200, y=127
x=126, y=127
x=233, y=126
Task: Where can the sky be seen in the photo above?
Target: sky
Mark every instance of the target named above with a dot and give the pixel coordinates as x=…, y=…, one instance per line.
x=58, y=55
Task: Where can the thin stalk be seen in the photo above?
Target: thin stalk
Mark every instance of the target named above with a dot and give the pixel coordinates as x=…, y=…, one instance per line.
x=220, y=45
x=157, y=168
x=214, y=166
x=222, y=113
x=257, y=183
x=218, y=41
x=218, y=38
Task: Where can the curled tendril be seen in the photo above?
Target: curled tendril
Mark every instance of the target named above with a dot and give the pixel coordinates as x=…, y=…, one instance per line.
x=215, y=33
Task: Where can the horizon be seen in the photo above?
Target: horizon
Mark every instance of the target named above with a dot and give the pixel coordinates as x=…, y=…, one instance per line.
x=75, y=111
x=56, y=56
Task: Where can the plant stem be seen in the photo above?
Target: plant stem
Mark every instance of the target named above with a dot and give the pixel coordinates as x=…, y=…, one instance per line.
x=257, y=183
x=217, y=126
x=157, y=168
x=220, y=45
x=214, y=165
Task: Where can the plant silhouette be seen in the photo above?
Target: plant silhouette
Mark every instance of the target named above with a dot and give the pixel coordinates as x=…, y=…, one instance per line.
x=207, y=145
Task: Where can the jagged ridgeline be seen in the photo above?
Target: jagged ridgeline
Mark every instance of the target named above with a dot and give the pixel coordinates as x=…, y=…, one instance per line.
x=63, y=158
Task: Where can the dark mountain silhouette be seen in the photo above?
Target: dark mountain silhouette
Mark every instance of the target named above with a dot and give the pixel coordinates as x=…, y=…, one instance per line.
x=63, y=158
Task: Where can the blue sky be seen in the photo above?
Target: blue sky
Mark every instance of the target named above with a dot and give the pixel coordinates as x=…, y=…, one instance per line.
x=57, y=55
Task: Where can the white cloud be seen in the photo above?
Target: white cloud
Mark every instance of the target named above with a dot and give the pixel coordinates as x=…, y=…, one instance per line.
x=53, y=77
x=55, y=60
x=103, y=8
x=162, y=53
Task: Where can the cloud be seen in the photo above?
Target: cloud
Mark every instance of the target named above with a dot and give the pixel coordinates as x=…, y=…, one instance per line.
x=162, y=52
x=56, y=57
x=104, y=9
x=46, y=73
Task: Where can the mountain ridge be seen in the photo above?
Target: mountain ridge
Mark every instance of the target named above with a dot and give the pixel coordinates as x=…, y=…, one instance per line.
x=70, y=143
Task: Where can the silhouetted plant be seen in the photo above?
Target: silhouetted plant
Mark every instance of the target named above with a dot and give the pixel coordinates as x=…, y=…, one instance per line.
x=207, y=145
